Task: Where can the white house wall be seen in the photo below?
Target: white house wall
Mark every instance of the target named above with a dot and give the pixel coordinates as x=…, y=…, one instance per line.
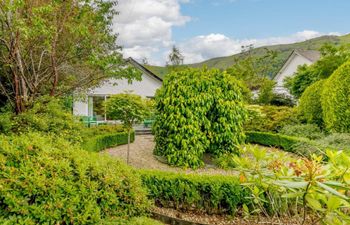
x=288, y=70
x=146, y=88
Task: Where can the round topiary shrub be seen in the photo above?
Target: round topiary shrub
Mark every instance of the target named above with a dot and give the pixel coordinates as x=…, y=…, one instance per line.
x=310, y=103
x=198, y=111
x=46, y=180
x=336, y=100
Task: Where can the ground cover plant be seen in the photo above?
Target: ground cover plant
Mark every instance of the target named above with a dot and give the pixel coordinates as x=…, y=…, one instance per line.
x=198, y=111
x=46, y=179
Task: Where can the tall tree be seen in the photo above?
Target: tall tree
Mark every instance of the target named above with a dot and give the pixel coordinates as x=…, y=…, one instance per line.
x=175, y=57
x=50, y=47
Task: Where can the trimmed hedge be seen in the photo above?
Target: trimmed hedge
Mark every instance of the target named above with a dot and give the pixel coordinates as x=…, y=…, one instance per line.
x=104, y=141
x=202, y=193
x=335, y=100
x=310, y=103
x=287, y=143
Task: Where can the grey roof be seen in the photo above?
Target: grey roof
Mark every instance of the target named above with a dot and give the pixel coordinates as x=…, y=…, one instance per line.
x=142, y=68
x=311, y=55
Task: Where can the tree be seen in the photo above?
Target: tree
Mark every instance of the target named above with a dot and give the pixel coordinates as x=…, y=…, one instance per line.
x=332, y=57
x=55, y=47
x=253, y=69
x=266, y=93
x=175, y=57
x=129, y=109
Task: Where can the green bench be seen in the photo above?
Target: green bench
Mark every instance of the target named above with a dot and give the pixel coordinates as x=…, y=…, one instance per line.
x=148, y=122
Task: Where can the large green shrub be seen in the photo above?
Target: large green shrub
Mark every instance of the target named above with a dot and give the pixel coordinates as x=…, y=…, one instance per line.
x=336, y=100
x=310, y=103
x=49, y=116
x=269, y=118
x=47, y=180
x=198, y=111
x=339, y=141
x=204, y=193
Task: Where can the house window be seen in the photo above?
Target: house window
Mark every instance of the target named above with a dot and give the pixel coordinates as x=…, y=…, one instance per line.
x=96, y=107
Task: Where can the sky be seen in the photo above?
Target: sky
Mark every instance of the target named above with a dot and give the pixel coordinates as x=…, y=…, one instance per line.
x=204, y=29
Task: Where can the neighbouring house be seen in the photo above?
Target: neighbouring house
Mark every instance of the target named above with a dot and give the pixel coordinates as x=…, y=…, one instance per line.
x=92, y=103
x=297, y=58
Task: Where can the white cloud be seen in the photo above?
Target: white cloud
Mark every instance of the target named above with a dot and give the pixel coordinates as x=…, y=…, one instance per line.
x=204, y=47
x=145, y=26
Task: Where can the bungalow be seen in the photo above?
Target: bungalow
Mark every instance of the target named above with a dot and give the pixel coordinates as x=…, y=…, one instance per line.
x=92, y=103
x=297, y=58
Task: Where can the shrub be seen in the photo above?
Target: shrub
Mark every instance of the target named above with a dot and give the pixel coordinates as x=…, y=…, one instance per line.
x=310, y=131
x=336, y=141
x=49, y=116
x=198, y=111
x=336, y=101
x=300, y=146
x=203, y=193
x=103, y=141
x=310, y=103
x=266, y=92
x=48, y=180
x=269, y=118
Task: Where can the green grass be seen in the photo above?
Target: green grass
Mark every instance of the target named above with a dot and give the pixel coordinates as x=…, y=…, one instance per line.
x=283, y=52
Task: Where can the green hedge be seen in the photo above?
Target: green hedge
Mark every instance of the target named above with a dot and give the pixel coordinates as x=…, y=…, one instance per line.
x=104, y=141
x=204, y=193
x=48, y=180
x=300, y=146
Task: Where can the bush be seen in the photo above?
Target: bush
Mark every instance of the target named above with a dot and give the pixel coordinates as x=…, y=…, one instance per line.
x=203, y=193
x=336, y=101
x=310, y=131
x=336, y=141
x=50, y=117
x=198, y=111
x=103, y=141
x=310, y=103
x=282, y=100
x=269, y=118
x=300, y=146
x=48, y=180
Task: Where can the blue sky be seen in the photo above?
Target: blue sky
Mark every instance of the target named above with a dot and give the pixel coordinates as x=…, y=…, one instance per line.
x=207, y=28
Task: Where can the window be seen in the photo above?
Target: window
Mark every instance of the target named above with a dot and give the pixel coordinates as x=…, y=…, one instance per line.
x=96, y=107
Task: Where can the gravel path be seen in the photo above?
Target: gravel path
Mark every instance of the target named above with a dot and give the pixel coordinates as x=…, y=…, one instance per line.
x=141, y=156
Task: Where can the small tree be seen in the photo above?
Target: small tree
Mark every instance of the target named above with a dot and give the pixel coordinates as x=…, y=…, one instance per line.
x=129, y=109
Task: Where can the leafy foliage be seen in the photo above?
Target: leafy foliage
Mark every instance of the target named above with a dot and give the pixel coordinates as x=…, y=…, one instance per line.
x=339, y=141
x=48, y=115
x=55, y=47
x=128, y=108
x=198, y=111
x=336, y=101
x=332, y=58
x=269, y=118
x=310, y=103
x=310, y=131
x=285, y=186
x=266, y=92
x=45, y=179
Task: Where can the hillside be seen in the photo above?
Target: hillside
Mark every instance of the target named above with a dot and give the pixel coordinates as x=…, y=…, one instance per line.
x=283, y=52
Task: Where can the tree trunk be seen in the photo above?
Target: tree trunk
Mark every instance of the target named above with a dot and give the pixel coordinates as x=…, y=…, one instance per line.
x=128, y=151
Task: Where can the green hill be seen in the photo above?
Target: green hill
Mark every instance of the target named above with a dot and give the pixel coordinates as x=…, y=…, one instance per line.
x=283, y=51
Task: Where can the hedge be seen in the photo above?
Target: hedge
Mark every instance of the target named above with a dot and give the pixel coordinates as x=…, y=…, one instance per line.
x=104, y=141
x=192, y=192
x=48, y=180
x=335, y=100
x=300, y=146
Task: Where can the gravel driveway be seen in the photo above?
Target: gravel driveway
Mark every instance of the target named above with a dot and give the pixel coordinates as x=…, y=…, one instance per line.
x=141, y=156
